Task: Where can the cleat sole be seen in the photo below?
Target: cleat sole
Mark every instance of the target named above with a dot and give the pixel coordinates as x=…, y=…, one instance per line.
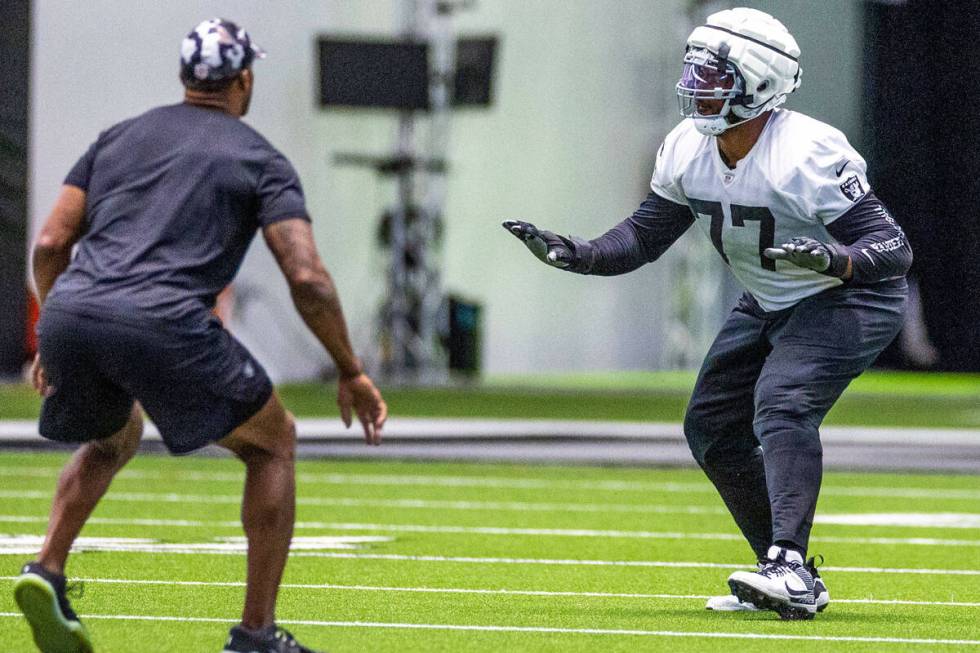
x=52, y=633
x=786, y=611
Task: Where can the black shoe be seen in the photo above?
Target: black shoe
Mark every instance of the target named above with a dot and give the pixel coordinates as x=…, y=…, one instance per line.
x=277, y=641
x=42, y=597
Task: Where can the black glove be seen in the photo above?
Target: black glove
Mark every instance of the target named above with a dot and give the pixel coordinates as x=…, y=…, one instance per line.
x=572, y=254
x=813, y=255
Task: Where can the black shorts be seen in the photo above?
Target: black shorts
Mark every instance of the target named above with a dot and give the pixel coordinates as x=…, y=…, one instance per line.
x=194, y=380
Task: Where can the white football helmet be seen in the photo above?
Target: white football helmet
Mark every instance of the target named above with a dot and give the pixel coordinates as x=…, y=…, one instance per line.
x=742, y=56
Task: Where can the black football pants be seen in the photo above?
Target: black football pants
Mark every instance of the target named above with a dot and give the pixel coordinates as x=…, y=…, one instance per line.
x=763, y=390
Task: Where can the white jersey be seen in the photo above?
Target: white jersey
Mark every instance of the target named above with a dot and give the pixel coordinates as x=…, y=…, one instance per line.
x=800, y=176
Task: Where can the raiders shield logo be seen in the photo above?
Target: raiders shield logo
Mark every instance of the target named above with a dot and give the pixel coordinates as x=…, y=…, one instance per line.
x=852, y=188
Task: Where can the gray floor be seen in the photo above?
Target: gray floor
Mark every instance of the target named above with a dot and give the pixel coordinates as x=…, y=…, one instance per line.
x=643, y=453
x=585, y=443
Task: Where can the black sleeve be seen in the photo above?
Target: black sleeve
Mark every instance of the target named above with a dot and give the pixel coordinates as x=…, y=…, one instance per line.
x=640, y=238
x=280, y=193
x=876, y=244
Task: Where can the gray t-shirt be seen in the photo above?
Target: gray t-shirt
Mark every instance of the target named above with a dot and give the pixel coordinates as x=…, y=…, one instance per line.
x=173, y=199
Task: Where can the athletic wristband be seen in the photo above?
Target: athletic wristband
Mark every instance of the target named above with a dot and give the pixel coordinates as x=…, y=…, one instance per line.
x=839, y=256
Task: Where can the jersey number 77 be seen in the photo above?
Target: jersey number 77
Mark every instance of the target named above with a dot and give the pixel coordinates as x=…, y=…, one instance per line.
x=740, y=215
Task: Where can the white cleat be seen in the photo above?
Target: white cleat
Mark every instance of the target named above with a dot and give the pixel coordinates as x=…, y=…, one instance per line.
x=729, y=603
x=783, y=584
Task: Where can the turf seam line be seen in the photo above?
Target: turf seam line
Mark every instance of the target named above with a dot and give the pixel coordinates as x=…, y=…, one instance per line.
x=422, y=504
x=545, y=629
x=510, y=531
x=618, y=563
x=175, y=550
x=406, y=503
x=503, y=482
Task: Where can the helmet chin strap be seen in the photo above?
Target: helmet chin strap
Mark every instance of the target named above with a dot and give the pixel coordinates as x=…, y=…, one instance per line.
x=711, y=125
x=718, y=123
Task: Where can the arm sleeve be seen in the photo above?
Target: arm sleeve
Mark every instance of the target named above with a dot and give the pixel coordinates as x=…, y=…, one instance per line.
x=279, y=192
x=876, y=243
x=639, y=239
x=81, y=172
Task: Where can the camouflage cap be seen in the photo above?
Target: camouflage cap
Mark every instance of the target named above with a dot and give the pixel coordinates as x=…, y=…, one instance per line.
x=216, y=50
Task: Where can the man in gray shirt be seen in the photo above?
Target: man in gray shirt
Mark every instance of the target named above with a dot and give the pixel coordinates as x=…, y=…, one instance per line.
x=162, y=208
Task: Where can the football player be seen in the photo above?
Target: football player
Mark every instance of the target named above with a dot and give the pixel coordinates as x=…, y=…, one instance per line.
x=786, y=202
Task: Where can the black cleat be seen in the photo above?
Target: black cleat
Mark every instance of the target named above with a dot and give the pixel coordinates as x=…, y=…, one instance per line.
x=277, y=641
x=42, y=597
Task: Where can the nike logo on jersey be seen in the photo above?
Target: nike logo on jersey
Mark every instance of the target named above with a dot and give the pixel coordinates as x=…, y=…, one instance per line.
x=839, y=169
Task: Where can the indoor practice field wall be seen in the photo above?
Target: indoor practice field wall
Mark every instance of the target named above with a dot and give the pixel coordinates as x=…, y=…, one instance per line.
x=583, y=96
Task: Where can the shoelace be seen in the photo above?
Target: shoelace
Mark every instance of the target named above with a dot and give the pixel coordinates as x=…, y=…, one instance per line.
x=64, y=590
x=812, y=564
x=75, y=590
x=774, y=568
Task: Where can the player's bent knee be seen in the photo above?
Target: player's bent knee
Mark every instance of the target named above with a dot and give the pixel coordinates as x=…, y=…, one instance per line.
x=121, y=446
x=287, y=439
x=270, y=432
x=788, y=430
x=698, y=431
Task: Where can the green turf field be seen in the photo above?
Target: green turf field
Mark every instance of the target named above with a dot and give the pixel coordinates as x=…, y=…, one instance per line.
x=501, y=558
x=874, y=399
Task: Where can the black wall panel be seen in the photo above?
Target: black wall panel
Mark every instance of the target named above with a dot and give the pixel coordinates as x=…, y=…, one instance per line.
x=14, y=77
x=922, y=110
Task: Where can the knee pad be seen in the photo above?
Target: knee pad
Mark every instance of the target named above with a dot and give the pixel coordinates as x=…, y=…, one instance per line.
x=779, y=431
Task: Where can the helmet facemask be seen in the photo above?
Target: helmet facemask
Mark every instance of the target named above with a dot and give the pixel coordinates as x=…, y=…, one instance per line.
x=710, y=77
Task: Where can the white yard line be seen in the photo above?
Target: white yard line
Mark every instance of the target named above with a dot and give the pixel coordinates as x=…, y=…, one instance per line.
x=420, y=504
x=500, y=482
x=191, y=549
x=455, y=428
x=504, y=531
x=902, y=493
x=412, y=504
x=114, y=521
x=498, y=592
x=543, y=629
x=969, y=519
x=904, y=519
x=616, y=563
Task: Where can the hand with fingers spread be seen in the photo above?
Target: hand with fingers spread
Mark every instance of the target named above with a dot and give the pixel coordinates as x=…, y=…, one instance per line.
x=357, y=394
x=557, y=251
x=813, y=255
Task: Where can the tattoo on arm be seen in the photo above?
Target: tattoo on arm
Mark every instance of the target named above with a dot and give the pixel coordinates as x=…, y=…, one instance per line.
x=291, y=242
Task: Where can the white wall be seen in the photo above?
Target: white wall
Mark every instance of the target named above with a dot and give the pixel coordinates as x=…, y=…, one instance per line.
x=583, y=97
x=830, y=35
x=100, y=61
